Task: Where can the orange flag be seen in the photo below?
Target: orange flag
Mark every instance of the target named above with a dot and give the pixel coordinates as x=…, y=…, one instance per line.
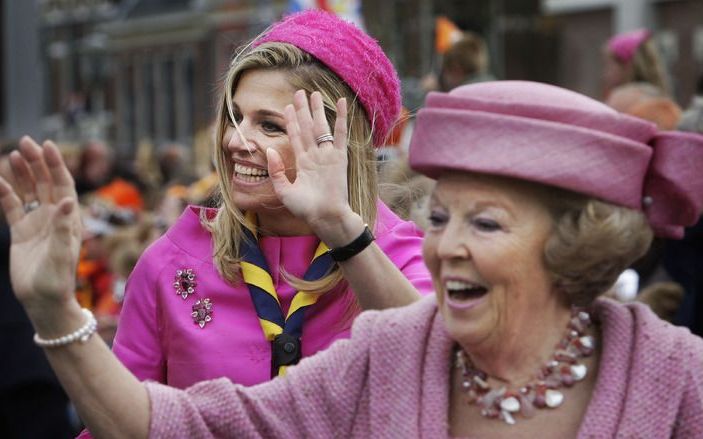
x=446, y=34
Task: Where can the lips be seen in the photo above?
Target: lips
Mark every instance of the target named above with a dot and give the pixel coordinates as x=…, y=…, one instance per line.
x=461, y=294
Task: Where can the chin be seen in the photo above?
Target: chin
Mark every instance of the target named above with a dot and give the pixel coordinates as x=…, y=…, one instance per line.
x=465, y=333
x=467, y=326
x=255, y=202
x=470, y=333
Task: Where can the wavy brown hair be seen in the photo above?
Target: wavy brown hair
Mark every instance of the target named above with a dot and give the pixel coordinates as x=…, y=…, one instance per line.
x=591, y=243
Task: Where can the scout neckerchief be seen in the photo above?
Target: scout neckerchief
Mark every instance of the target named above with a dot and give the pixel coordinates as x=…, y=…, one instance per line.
x=283, y=332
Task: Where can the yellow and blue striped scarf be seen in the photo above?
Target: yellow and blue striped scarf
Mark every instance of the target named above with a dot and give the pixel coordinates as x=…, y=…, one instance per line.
x=283, y=332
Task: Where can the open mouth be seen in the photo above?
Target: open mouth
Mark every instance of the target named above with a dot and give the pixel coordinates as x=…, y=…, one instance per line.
x=250, y=174
x=461, y=291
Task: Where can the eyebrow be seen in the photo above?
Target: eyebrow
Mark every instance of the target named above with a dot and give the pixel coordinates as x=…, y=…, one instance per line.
x=479, y=206
x=262, y=112
x=482, y=205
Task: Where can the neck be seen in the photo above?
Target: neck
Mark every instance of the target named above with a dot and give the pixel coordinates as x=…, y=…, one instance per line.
x=281, y=223
x=514, y=356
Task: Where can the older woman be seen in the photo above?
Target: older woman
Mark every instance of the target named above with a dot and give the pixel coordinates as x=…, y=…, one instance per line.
x=543, y=197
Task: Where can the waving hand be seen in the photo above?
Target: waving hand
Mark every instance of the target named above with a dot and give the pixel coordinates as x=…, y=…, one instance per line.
x=319, y=192
x=42, y=212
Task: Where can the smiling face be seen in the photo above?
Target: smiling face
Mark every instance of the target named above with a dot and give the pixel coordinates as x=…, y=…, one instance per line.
x=258, y=103
x=484, y=248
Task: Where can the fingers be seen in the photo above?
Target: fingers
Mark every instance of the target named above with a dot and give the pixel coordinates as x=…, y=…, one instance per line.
x=64, y=229
x=312, y=120
x=24, y=180
x=62, y=181
x=40, y=173
x=305, y=122
x=340, y=125
x=277, y=171
x=63, y=221
x=11, y=203
x=320, y=125
x=32, y=154
x=293, y=130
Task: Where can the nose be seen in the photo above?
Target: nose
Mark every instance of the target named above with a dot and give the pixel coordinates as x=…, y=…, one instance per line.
x=452, y=244
x=238, y=139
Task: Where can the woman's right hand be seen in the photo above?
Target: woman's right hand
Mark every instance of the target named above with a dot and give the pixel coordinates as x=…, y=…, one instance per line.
x=46, y=238
x=43, y=258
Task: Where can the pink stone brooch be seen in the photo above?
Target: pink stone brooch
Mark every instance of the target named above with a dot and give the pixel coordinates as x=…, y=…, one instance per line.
x=184, y=282
x=202, y=312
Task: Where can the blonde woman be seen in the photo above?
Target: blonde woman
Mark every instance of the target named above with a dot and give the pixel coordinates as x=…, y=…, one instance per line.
x=247, y=289
x=633, y=57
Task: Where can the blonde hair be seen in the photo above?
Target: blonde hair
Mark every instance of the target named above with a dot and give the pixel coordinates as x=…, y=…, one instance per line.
x=591, y=243
x=647, y=66
x=307, y=73
x=405, y=191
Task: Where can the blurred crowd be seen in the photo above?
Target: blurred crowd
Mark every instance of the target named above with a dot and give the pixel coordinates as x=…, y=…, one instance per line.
x=635, y=82
x=127, y=204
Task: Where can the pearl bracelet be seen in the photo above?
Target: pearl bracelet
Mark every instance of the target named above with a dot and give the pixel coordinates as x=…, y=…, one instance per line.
x=81, y=334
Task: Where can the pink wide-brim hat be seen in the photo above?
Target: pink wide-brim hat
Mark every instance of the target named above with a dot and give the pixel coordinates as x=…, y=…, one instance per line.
x=624, y=45
x=549, y=135
x=352, y=55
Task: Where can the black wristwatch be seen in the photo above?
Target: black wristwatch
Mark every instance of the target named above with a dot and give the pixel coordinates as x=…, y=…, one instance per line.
x=341, y=254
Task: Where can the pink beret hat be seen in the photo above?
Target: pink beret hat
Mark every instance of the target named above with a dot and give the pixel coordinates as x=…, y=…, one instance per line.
x=624, y=46
x=352, y=55
x=549, y=135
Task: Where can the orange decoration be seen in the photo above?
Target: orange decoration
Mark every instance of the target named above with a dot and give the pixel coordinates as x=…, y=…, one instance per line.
x=122, y=194
x=397, y=131
x=446, y=34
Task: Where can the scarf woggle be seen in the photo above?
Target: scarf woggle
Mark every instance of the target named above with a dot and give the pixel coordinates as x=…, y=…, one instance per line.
x=283, y=332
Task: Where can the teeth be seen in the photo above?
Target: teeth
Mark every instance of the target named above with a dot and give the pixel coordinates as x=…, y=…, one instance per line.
x=460, y=285
x=251, y=178
x=247, y=170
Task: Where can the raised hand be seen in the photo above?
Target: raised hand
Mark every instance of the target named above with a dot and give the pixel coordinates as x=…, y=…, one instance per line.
x=319, y=193
x=45, y=224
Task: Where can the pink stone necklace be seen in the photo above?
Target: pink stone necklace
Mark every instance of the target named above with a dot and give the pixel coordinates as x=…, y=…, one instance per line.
x=564, y=369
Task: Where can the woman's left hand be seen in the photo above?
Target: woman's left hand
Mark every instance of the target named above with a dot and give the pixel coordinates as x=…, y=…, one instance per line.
x=319, y=193
x=319, y=197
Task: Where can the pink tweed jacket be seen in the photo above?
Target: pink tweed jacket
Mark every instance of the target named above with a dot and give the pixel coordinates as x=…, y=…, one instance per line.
x=391, y=380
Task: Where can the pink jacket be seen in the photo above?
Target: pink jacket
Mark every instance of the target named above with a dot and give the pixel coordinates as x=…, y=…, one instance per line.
x=391, y=380
x=157, y=338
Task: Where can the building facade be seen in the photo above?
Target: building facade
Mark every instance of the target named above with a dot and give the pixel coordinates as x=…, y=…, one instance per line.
x=131, y=71
x=585, y=25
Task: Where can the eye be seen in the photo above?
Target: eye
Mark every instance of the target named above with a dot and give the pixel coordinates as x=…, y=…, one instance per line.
x=486, y=224
x=437, y=219
x=271, y=127
x=237, y=118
